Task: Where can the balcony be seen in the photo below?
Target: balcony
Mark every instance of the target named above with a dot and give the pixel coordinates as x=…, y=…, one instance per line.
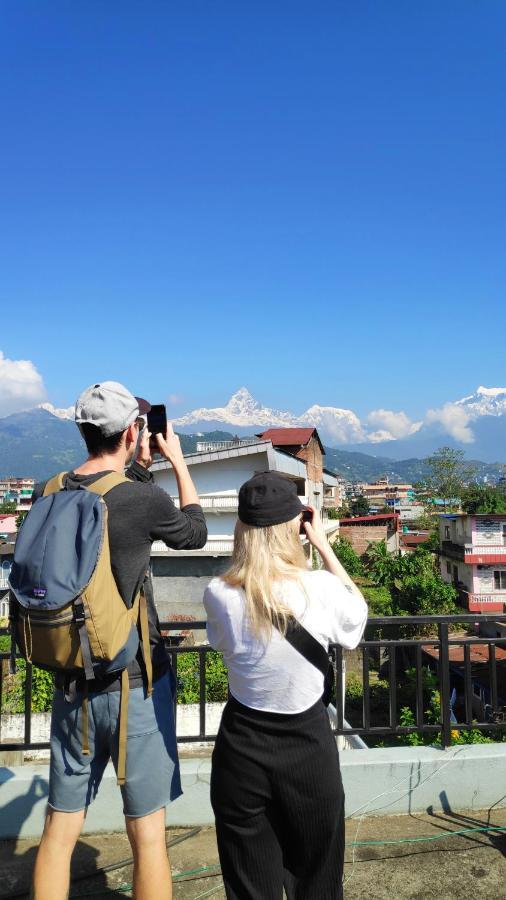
x=222, y=545
x=492, y=602
x=478, y=554
x=384, y=642
x=217, y=504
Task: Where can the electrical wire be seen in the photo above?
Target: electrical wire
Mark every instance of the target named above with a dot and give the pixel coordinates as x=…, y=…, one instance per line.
x=426, y=837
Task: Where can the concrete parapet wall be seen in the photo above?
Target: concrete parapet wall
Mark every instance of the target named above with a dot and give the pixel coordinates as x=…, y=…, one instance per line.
x=390, y=781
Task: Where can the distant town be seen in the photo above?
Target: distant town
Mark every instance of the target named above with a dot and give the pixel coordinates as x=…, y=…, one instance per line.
x=469, y=549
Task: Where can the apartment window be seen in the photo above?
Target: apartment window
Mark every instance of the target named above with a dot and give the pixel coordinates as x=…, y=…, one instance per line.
x=447, y=532
x=504, y=532
x=499, y=580
x=448, y=568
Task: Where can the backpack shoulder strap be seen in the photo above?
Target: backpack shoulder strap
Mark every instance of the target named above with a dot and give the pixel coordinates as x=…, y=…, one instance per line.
x=105, y=484
x=54, y=484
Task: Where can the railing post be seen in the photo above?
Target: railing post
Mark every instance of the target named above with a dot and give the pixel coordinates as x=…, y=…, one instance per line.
x=444, y=684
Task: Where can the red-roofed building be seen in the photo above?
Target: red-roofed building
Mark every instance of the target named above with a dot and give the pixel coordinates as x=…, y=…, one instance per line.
x=361, y=531
x=305, y=444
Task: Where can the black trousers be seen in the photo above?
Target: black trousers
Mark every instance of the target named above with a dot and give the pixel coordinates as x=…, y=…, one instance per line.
x=278, y=799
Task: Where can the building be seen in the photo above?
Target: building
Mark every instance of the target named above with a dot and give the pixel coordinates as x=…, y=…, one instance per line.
x=8, y=526
x=18, y=491
x=411, y=540
x=361, y=531
x=303, y=444
x=6, y=559
x=180, y=577
x=382, y=493
x=473, y=558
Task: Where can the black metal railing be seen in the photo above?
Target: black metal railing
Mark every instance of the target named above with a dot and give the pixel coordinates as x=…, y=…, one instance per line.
x=471, y=680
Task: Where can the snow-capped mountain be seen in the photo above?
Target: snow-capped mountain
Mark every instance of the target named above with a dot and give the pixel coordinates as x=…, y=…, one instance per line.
x=67, y=413
x=243, y=412
x=485, y=402
x=476, y=423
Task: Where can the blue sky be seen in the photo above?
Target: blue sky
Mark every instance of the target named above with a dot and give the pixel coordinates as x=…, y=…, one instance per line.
x=305, y=198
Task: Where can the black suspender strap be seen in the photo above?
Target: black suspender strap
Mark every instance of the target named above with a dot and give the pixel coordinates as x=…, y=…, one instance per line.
x=307, y=646
x=311, y=649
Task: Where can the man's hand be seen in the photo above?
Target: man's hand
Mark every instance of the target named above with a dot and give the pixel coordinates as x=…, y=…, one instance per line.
x=170, y=446
x=144, y=455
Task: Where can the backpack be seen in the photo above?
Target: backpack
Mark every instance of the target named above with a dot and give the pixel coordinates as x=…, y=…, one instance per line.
x=66, y=613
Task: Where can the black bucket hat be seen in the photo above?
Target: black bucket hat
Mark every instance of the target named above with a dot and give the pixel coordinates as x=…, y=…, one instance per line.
x=268, y=499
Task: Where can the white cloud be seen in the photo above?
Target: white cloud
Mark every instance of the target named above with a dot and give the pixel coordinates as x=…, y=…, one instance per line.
x=21, y=386
x=455, y=421
x=175, y=399
x=391, y=425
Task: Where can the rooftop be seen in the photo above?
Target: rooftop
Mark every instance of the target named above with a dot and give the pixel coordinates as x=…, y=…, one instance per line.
x=400, y=856
x=357, y=520
x=290, y=437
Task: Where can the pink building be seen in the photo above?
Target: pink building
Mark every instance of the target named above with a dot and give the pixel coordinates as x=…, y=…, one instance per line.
x=473, y=558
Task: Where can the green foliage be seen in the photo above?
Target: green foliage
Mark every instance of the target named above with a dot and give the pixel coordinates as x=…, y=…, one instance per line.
x=20, y=518
x=359, y=506
x=481, y=498
x=412, y=581
x=188, y=682
x=432, y=716
x=14, y=687
x=448, y=474
x=333, y=513
x=379, y=562
x=348, y=557
x=7, y=506
x=379, y=600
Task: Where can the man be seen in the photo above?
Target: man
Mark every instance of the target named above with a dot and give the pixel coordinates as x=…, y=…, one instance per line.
x=139, y=512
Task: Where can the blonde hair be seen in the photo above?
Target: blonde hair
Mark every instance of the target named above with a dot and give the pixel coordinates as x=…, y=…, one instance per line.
x=261, y=558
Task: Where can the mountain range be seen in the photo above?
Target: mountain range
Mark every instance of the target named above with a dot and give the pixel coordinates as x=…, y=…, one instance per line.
x=39, y=443
x=476, y=424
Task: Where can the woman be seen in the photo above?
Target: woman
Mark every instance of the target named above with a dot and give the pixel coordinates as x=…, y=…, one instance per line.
x=276, y=787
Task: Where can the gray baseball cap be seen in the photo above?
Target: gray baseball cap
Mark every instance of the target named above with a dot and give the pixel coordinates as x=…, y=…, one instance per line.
x=110, y=407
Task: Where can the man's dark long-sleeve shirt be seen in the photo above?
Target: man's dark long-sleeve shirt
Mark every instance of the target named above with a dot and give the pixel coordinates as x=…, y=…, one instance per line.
x=139, y=512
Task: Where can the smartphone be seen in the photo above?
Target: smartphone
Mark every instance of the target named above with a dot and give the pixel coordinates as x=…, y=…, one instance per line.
x=157, y=423
x=307, y=516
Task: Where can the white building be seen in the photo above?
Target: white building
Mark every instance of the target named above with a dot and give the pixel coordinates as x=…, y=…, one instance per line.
x=180, y=577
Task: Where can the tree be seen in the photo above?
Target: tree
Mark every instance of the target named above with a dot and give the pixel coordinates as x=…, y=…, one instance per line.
x=359, y=506
x=481, y=498
x=380, y=563
x=413, y=582
x=20, y=518
x=448, y=474
x=348, y=557
x=7, y=507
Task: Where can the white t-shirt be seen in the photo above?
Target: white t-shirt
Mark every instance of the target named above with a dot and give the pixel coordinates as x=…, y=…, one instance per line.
x=270, y=674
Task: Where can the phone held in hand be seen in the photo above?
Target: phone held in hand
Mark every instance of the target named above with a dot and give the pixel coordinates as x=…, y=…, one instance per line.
x=157, y=423
x=307, y=516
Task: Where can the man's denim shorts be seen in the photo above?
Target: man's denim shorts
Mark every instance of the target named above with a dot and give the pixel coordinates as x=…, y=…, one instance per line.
x=152, y=767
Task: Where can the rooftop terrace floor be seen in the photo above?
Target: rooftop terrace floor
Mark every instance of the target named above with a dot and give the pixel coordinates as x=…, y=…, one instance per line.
x=451, y=867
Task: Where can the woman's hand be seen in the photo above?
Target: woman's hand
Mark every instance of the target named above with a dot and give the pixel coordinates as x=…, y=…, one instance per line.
x=315, y=530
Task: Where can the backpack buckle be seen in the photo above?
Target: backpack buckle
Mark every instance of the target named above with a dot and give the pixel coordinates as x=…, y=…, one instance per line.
x=79, y=615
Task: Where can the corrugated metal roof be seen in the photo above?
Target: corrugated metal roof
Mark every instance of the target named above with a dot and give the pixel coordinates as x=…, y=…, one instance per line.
x=290, y=437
